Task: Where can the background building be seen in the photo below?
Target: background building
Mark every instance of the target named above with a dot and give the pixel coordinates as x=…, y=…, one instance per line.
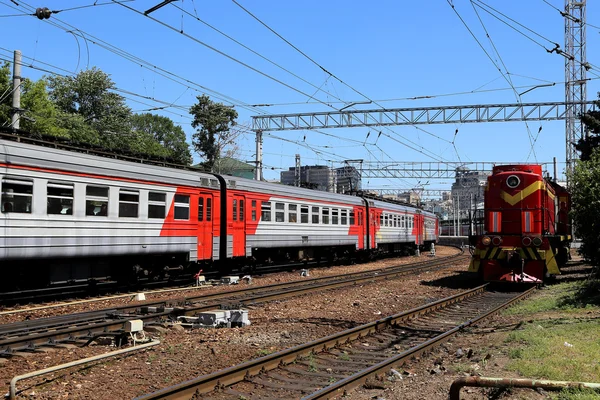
x=321, y=177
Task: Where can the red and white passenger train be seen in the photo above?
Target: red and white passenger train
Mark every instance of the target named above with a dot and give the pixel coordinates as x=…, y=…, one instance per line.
x=72, y=216
x=526, y=232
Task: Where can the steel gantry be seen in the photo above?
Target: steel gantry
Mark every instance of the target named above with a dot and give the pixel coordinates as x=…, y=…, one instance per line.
x=425, y=169
x=576, y=67
x=409, y=116
x=415, y=116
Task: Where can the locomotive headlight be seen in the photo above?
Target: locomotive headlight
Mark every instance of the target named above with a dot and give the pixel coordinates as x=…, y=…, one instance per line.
x=526, y=241
x=497, y=241
x=537, y=242
x=513, y=181
x=486, y=240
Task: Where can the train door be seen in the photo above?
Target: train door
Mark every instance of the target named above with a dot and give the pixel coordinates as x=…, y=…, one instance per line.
x=418, y=229
x=205, y=226
x=374, y=227
x=360, y=222
x=237, y=225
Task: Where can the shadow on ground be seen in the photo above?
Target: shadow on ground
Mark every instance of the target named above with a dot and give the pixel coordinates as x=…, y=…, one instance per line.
x=458, y=280
x=587, y=294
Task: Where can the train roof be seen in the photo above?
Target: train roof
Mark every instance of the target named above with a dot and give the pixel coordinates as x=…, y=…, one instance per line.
x=44, y=154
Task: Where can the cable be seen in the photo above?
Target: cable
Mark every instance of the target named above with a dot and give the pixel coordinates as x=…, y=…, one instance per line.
x=216, y=50
x=154, y=68
x=564, y=14
x=508, y=79
x=254, y=52
x=338, y=79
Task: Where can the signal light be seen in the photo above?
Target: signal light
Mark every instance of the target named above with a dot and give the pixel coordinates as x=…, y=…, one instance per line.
x=537, y=241
x=497, y=241
x=526, y=241
x=486, y=240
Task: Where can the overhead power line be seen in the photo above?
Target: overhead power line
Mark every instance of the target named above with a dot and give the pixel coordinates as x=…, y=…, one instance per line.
x=56, y=22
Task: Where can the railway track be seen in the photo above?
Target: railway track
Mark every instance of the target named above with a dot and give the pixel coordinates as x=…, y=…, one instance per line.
x=332, y=366
x=27, y=336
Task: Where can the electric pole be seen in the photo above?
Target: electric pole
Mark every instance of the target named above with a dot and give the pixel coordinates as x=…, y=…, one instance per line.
x=16, y=99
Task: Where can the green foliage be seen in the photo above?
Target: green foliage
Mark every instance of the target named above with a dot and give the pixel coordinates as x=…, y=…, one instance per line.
x=585, y=212
x=41, y=115
x=5, y=97
x=586, y=146
x=85, y=110
x=213, y=122
x=161, y=136
x=88, y=95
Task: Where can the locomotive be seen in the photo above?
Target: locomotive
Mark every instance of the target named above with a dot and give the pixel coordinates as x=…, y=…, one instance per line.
x=526, y=232
x=75, y=216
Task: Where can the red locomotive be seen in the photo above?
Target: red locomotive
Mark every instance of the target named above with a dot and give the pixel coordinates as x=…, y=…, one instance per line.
x=526, y=232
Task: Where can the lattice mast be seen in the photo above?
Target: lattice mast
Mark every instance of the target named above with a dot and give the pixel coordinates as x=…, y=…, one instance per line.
x=576, y=67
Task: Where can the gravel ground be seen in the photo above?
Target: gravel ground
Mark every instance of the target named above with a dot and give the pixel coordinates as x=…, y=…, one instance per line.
x=183, y=355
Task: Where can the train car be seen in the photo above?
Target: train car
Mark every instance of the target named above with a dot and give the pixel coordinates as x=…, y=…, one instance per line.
x=70, y=216
x=526, y=232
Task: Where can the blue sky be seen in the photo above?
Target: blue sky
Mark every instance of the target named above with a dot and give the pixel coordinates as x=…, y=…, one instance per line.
x=384, y=50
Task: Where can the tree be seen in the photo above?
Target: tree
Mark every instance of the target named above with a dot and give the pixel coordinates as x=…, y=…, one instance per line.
x=585, y=191
x=213, y=123
x=40, y=115
x=5, y=95
x=89, y=95
x=163, y=136
x=591, y=120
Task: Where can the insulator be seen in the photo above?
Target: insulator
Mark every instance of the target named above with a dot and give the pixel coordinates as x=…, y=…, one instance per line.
x=43, y=13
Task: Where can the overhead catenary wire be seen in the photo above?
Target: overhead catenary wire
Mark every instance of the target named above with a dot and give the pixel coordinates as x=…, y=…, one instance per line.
x=508, y=78
x=556, y=48
x=256, y=53
x=436, y=157
x=139, y=61
x=564, y=14
x=214, y=49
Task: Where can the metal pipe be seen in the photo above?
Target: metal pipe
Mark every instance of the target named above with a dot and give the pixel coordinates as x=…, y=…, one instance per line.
x=480, y=381
x=13, y=382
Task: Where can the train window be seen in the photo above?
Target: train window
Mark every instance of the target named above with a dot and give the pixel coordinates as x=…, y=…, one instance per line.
x=182, y=206
x=293, y=213
x=200, y=208
x=344, y=217
x=279, y=212
x=129, y=201
x=351, y=217
x=241, y=210
x=235, y=209
x=304, y=214
x=402, y=222
x=96, y=201
x=315, y=215
x=253, y=210
x=16, y=195
x=325, y=215
x=157, y=204
x=60, y=198
x=381, y=220
x=208, y=209
x=335, y=216
x=265, y=210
